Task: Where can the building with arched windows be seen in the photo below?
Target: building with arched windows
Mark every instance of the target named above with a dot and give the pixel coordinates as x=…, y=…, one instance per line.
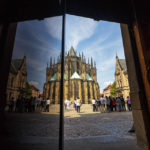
x=121, y=78
x=80, y=79
x=17, y=78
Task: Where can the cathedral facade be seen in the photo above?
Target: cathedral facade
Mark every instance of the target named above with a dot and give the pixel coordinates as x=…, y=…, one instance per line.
x=80, y=79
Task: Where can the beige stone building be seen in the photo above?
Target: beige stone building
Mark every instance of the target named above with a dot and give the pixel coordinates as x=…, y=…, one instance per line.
x=121, y=78
x=80, y=79
x=35, y=91
x=106, y=90
x=17, y=78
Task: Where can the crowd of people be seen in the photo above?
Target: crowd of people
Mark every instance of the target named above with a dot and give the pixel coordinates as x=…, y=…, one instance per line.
x=77, y=104
x=104, y=104
x=29, y=104
x=108, y=104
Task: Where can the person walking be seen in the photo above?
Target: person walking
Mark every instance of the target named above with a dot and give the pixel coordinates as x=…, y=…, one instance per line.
x=47, y=104
x=78, y=104
x=94, y=104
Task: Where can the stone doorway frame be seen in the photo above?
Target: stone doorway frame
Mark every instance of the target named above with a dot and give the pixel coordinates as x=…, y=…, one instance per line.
x=135, y=58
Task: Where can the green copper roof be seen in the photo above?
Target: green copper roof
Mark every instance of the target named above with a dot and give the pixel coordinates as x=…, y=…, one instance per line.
x=53, y=78
x=88, y=77
x=75, y=76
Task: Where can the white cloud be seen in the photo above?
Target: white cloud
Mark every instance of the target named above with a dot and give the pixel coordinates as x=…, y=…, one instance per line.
x=35, y=64
x=107, y=83
x=54, y=26
x=34, y=83
x=78, y=29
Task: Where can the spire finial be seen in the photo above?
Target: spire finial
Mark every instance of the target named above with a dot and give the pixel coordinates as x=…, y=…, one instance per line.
x=116, y=55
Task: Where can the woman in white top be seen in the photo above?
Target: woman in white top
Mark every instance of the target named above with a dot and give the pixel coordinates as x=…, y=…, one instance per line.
x=78, y=103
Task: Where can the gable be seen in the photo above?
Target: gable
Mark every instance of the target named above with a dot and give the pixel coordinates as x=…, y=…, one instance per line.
x=75, y=76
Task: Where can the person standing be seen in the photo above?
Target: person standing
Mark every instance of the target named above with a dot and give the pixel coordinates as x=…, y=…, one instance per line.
x=68, y=104
x=47, y=104
x=94, y=104
x=128, y=103
x=108, y=104
x=102, y=106
x=114, y=104
x=98, y=103
x=78, y=103
x=11, y=104
x=43, y=105
x=39, y=103
x=122, y=104
x=65, y=104
x=74, y=105
x=118, y=104
x=111, y=105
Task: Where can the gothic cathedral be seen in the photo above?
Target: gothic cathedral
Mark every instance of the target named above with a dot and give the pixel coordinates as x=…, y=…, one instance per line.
x=80, y=79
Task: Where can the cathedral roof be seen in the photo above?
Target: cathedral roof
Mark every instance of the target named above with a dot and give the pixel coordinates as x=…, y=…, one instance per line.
x=15, y=65
x=75, y=76
x=123, y=65
x=53, y=77
x=72, y=52
x=88, y=77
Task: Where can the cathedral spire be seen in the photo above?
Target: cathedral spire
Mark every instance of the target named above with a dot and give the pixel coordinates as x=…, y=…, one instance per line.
x=58, y=59
x=84, y=60
x=54, y=60
x=94, y=64
x=88, y=61
x=116, y=56
x=72, y=52
x=51, y=61
x=91, y=62
x=82, y=56
x=79, y=55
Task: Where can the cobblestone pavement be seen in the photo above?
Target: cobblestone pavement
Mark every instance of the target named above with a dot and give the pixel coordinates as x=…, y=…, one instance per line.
x=88, y=123
x=94, y=130
x=85, y=130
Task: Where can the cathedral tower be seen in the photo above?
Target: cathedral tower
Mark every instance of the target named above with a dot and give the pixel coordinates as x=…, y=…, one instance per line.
x=80, y=79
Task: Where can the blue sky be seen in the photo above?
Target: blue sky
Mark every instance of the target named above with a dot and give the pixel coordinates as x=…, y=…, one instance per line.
x=39, y=40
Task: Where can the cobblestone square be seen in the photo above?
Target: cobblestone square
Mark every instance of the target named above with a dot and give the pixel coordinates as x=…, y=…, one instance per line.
x=85, y=130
